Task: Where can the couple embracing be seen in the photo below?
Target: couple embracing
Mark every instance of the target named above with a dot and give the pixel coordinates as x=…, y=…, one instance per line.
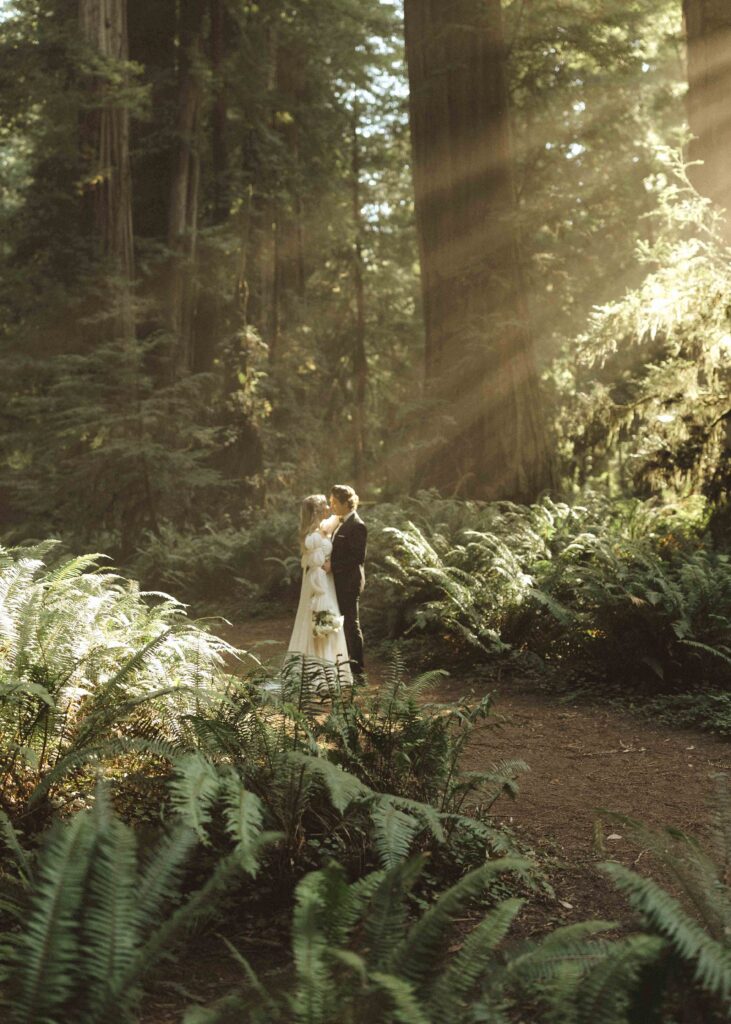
x=333, y=544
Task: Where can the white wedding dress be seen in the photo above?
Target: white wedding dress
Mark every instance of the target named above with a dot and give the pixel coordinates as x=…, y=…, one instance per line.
x=318, y=595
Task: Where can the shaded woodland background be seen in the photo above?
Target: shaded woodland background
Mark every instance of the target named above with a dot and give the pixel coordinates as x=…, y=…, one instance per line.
x=223, y=288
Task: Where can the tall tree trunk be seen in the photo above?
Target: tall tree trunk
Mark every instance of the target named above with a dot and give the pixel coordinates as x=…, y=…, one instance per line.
x=105, y=138
x=479, y=353
x=708, y=33
x=219, y=155
x=184, y=189
x=360, y=358
x=288, y=264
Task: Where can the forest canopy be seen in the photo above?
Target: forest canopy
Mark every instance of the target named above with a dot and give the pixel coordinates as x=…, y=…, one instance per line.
x=248, y=249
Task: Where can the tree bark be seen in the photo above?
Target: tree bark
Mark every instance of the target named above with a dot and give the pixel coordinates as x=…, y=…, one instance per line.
x=287, y=216
x=360, y=358
x=105, y=138
x=708, y=34
x=479, y=359
x=219, y=153
x=184, y=188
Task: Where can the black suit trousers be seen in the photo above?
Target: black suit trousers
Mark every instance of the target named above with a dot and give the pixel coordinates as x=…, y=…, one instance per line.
x=347, y=588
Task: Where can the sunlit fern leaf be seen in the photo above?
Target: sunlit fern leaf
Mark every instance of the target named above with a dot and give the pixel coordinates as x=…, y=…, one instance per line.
x=394, y=831
x=342, y=787
x=47, y=949
x=425, y=943
x=459, y=980
x=710, y=959
x=193, y=789
x=71, y=569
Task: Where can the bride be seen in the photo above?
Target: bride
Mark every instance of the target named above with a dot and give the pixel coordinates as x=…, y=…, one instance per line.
x=318, y=625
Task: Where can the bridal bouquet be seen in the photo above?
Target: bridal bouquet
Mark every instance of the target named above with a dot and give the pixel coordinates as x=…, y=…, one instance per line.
x=325, y=622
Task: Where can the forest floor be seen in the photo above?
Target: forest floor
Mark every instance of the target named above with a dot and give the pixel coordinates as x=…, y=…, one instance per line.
x=582, y=758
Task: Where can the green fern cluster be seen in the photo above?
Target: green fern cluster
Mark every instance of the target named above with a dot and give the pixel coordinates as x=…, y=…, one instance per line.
x=87, y=661
x=359, y=956
x=360, y=779
x=617, y=590
x=91, y=923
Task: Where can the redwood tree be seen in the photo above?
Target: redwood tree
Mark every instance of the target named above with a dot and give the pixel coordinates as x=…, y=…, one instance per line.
x=708, y=32
x=480, y=367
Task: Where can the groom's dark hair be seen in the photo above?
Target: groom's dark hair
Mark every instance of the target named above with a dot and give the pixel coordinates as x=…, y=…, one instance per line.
x=345, y=495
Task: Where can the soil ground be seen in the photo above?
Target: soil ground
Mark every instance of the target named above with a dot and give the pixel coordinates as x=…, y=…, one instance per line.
x=581, y=759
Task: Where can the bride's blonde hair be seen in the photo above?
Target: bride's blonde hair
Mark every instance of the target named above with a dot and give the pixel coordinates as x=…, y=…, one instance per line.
x=311, y=514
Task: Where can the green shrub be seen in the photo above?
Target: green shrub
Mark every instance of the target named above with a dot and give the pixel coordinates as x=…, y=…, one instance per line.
x=87, y=661
x=626, y=592
x=91, y=924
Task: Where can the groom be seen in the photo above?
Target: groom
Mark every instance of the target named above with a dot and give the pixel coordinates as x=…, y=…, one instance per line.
x=346, y=564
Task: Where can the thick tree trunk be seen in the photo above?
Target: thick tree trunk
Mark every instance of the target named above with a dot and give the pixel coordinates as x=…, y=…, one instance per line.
x=152, y=42
x=708, y=33
x=219, y=154
x=105, y=139
x=184, y=187
x=288, y=261
x=360, y=358
x=479, y=355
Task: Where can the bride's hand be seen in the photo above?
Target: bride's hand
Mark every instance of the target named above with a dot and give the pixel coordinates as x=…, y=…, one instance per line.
x=328, y=525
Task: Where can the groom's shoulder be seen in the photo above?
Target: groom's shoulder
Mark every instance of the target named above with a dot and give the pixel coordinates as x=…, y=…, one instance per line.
x=358, y=520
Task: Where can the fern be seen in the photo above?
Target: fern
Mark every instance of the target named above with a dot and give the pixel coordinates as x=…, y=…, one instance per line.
x=710, y=959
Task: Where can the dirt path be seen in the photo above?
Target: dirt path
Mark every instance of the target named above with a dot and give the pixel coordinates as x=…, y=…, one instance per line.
x=581, y=759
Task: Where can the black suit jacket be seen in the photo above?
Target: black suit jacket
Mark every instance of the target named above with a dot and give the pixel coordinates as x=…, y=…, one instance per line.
x=349, y=550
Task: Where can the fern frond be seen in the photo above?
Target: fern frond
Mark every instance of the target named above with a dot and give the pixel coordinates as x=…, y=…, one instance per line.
x=460, y=978
x=405, y=1005
x=425, y=942
x=193, y=790
x=10, y=836
x=342, y=787
x=607, y=991
x=394, y=831
x=112, y=917
x=711, y=961
x=47, y=950
x=386, y=917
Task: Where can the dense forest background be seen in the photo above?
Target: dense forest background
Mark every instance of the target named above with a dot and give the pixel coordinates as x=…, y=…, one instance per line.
x=474, y=258
x=212, y=300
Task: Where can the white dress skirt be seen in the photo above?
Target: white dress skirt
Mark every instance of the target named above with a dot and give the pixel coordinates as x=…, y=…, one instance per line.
x=318, y=595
